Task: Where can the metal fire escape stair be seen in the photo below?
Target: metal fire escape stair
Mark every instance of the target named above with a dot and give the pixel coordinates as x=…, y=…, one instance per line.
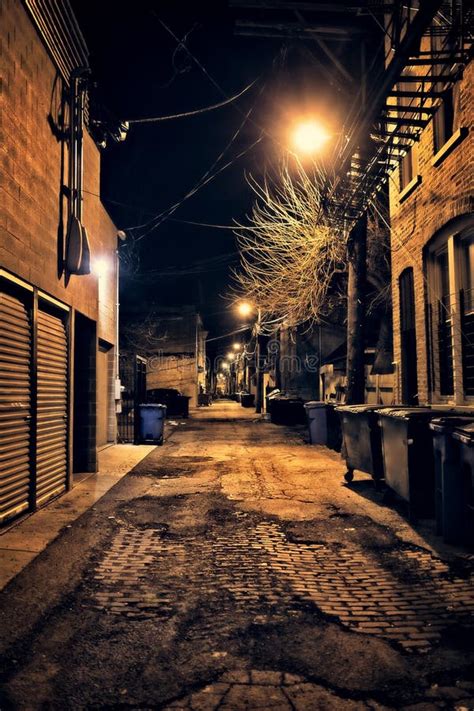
x=417, y=72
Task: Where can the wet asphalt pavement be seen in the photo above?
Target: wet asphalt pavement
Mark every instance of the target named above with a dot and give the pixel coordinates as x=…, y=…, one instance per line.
x=233, y=568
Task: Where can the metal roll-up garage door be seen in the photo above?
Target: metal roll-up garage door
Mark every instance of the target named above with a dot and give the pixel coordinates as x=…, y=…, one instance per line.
x=51, y=438
x=15, y=405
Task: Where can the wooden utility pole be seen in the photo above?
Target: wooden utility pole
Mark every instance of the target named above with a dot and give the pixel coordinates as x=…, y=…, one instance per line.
x=356, y=289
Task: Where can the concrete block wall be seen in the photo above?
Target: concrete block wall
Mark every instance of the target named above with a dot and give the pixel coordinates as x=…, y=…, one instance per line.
x=446, y=192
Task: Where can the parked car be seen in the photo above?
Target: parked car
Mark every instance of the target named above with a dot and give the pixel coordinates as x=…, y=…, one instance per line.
x=177, y=404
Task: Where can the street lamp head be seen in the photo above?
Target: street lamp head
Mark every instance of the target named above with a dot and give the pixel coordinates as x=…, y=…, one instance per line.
x=236, y=346
x=225, y=366
x=244, y=308
x=309, y=137
x=230, y=356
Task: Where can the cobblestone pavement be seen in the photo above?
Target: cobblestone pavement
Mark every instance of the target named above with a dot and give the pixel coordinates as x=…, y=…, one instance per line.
x=234, y=569
x=143, y=573
x=258, y=689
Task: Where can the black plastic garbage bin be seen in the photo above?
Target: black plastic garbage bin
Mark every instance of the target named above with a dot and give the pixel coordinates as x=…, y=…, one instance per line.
x=451, y=490
x=408, y=461
x=362, y=439
x=464, y=434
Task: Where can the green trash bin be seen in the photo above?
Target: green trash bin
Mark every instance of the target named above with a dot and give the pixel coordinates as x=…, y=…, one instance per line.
x=362, y=439
x=408, y=461
x=451, y=482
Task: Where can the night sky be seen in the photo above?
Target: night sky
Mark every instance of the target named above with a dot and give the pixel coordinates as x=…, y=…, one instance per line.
x=139, y=74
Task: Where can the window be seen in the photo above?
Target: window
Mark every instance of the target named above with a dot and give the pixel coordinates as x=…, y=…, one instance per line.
x=409, y=166
x=445, y=118
x=467, y=312
x=409, y=377
x=449, y=261
x=444, y=324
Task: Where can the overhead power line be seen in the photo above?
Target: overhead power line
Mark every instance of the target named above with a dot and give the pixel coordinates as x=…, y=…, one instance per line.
x=195, y=112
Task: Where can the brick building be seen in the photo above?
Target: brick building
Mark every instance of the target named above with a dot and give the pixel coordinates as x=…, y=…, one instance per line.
x=57, y=315
x=180, y=360
x=432, y=246
x=171, y=339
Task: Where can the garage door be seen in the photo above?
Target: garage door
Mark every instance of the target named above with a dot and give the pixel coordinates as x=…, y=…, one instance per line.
x=51, y=438
x=15, y=405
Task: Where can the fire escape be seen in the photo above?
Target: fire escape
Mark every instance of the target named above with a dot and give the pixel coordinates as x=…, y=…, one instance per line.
x=423, y=48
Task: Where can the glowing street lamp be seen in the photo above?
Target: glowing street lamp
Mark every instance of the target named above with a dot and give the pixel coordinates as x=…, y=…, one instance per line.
x=236, y=346
x=244, y=308
x=231, y=356
x=309, y=137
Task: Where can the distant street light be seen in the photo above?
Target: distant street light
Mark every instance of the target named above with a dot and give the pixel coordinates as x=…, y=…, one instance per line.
x=245, y=308
x=236, y=346
x=231, y=356
x=225, y=366
x=309, y=137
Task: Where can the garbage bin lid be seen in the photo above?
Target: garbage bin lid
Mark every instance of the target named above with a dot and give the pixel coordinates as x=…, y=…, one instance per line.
x=155, y=405
x=412, y=413
x=355, y=409
x=314, y=404
x=465, y=433
x=451, y=422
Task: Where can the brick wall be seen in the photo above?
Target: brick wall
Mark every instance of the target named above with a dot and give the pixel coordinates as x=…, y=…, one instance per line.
x=33, y=169
x=446, y=192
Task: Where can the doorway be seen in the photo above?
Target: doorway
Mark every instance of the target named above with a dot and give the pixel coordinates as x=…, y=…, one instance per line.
x=84, y=404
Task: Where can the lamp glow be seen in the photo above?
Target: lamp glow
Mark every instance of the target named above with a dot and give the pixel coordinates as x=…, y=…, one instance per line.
x=309, y=137
x=236, y=346
x=244, y=308
x=101, y=267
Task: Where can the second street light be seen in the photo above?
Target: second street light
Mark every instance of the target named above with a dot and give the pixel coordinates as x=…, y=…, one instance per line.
x=245, y=308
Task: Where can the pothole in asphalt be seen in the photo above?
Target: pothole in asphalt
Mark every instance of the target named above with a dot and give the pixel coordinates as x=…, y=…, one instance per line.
x=240, y=568
x=158, y=466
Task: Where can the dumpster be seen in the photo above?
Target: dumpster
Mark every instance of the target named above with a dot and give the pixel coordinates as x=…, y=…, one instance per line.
x=408, y=460
x=317, y=422
x=464, y=434
x=247, y=399
x=362, y=439
x=286, y=410
x=450, y=488
x=152, y=419
x=177, y=405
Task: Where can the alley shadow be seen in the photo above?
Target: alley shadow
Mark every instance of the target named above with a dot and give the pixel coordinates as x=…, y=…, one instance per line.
x=382, y=496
